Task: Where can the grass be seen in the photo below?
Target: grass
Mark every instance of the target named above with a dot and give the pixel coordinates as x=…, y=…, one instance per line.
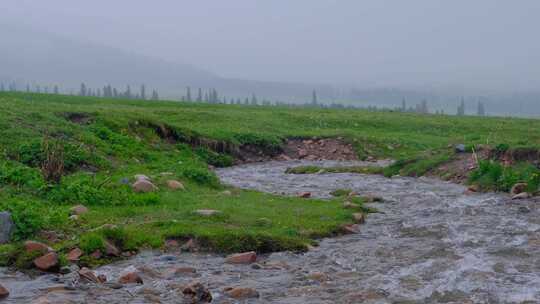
x=492, y=176
x=121, y=138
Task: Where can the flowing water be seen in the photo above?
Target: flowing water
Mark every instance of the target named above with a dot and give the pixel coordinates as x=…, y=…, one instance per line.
x=430, y=244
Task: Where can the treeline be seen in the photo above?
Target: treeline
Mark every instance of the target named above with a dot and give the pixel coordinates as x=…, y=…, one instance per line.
x=212, y=96
x=84, y=90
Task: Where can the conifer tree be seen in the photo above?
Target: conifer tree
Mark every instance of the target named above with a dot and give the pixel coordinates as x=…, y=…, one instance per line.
x=143, y=92
x=481, y=109
x=155, y=95
x=82, y=91
x=128, y=92
x=56, y=90
x=199, y=95
x=188, y=94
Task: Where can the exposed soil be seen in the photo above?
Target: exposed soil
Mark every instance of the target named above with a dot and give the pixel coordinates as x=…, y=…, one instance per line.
x=78, y=118
x=458, y=169
x=511, y=156
x=307, y=149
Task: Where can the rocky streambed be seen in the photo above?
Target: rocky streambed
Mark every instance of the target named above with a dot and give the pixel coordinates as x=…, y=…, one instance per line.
x=431, y=243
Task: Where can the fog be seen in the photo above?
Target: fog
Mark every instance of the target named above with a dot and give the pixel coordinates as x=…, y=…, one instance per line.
x=482, y=46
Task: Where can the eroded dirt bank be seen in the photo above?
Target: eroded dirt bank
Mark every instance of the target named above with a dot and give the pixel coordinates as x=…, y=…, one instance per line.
x=432, y=244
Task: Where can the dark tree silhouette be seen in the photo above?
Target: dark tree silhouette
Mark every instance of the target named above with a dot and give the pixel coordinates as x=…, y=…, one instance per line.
x=143, y=92
x=82, y=92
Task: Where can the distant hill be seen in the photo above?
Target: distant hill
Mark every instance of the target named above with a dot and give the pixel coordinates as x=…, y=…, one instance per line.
x=38, y=57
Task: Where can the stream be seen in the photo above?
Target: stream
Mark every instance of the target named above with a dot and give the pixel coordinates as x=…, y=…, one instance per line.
x=431, y=243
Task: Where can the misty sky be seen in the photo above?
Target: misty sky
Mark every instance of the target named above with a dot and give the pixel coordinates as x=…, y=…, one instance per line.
x=479, y=43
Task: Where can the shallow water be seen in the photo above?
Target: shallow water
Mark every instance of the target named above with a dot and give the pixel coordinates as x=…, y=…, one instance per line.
x=432, y=244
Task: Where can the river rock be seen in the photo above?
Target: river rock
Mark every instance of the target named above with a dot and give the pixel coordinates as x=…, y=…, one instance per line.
x=175, y=185
x=78, y=210
x=518, y=188
x=97, y=254
x=47, y=262
x=460, y=148
x=111, y=249
x=185, y=270
x=88, y=275
x=350, y=229
x=102, y=278
x=31, y=246
x=523, y=195
x=130, y=278
x=242, y=258
x=74, y=255
x=207, y=212
x=359, y=218
x=197, y=293
x=241, y=293
x=304, y=194
x=143, y=185
x=6, y=227
x=372, y=198
x=4, y=293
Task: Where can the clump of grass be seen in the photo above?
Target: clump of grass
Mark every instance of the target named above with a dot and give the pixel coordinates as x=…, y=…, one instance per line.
x=213, y=158
x=91, y=242
x=417, y=166
x=340, y=192
x=304, y=170
x=491, y=175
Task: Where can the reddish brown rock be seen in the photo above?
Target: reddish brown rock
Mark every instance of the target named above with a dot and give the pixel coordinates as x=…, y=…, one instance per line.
x=242, y=258
x=175, y=185
x=304, y=194
x=172, y=243
x=31, y=246
x=197, y=293
x=189, y=246
x=47, y=262
x=473, y=188
x=74, y=255
x=102, y=278
x=522, y=195
x=111, y=250
x=350, y=229
x=4, y=293
x=518, y=188
x=97, y=254
x=88, y=275
x=241, y=293
x=130, y=278
x=185, y=270
x=143, y=185
x=78, y=210
x=50, y=236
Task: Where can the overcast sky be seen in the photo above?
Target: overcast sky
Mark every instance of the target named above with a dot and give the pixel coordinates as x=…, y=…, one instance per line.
x=476, y=43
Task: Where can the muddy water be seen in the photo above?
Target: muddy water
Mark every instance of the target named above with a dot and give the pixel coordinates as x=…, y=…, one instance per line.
x=432, y=244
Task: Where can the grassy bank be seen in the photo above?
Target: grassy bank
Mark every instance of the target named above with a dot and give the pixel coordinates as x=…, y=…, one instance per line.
x=103, y=143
